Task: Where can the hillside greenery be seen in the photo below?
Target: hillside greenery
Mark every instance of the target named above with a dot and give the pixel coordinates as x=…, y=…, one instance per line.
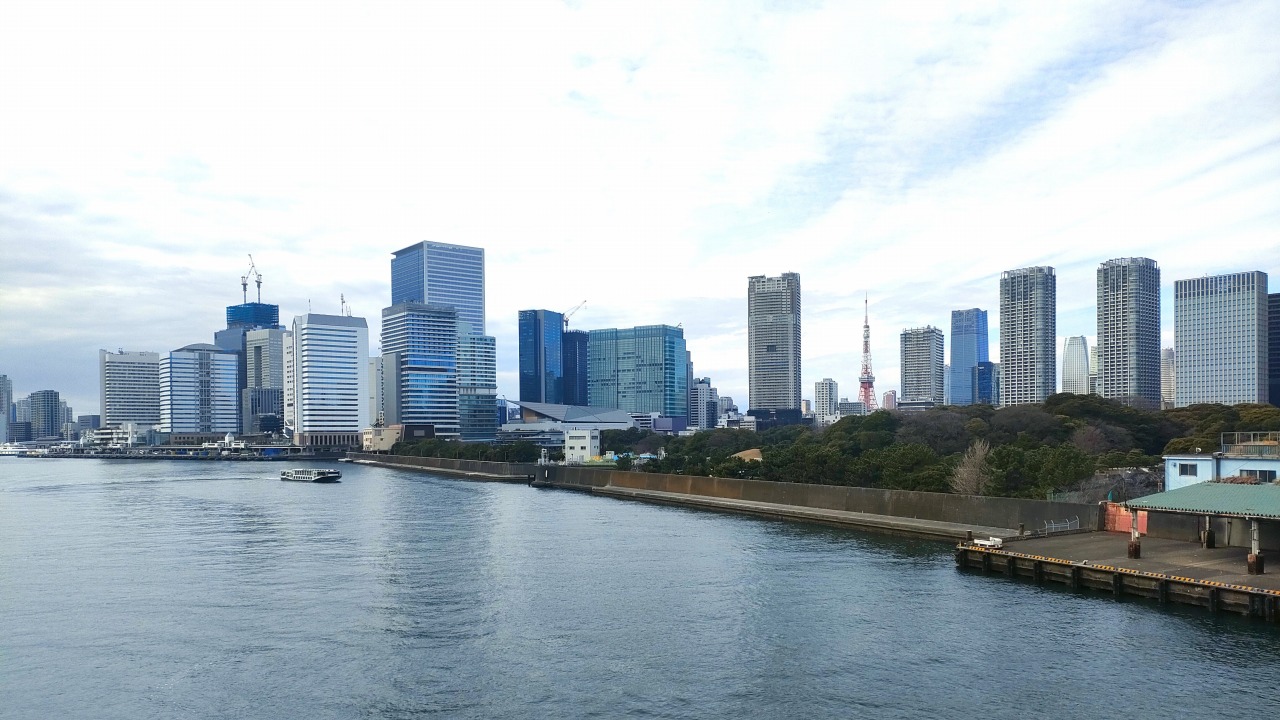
x=1019, y=451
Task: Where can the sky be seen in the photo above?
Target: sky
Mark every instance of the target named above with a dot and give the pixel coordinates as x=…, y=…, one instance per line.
x=646, y=157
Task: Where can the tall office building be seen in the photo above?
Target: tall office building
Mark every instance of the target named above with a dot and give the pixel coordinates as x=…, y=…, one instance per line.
x=46, y=414
x=435, y=273
x=420, y=366
x=262, y=397
x=327, y=369
x=704, y=404
x=1093, y=370
x=541, y=356
x=1168, y=378
x=1220, y=336
x=1075, y=365
x=574, y=355
x=969, y=346
x=377, y=410
x=129, y=388
x=1129, y=331
x=241, y=320
x=6, y=409
x=639, y=370
x=986, y=383
x=773, y=342
x=477, y=388
x=890, y=401
x=198, y=392
x=922, y=366
x=1273, y=345
x=826, y=396
x=1028, y=335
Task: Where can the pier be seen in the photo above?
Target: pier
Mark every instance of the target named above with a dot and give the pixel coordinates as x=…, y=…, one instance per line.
x=1170, y=571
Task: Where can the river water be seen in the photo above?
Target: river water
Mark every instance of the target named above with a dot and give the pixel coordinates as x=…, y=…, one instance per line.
x=212, y=590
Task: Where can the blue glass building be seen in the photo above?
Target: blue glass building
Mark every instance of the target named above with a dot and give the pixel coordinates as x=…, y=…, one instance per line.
x=639, y=370
x=541, y=358
x=477, y=388
x=986, y=383
x=253, y=315
x=969, y=347
x=420, y=366
x=435, y=273
x=574, y=356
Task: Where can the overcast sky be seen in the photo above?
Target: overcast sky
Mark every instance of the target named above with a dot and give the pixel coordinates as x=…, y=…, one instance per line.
x=646, y=157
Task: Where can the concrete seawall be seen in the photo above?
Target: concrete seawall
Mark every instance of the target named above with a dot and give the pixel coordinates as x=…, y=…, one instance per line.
x=472, y=469
x=979, y=511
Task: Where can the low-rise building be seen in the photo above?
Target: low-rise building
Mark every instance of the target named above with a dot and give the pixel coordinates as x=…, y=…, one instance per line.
x=581, y=445
x=1242, y=454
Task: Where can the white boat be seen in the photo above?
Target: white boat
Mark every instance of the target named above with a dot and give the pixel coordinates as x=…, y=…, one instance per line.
x=319, y=475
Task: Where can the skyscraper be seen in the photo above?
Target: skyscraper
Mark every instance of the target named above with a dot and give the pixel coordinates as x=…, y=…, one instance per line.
x=420, y=366
x=986, y=383
x=1273, y=345
x=1075, y=365
x=922, y=367
x=574, y=355
x=1028, y=335
x=327, y=369
x=639, y=370
x=129, y=388
x=198, y=392
x=46, y=414
x=969, y=346
x=262, y=398
x=1168, y=378
x=1129, y=331
x=1220, y=337
x=773, y=342
x=704, y=404
x=826, y=396
x=477, y=388
x=435, y=273
x=241, y=320
x=6, y=401
x=541, y=356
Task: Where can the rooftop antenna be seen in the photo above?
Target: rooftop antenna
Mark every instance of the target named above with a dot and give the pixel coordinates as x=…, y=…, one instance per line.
x=344, y=308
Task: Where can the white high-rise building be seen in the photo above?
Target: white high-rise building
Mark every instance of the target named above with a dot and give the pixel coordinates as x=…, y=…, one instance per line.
x=477, y=388
x=329, y=372
x=1028, y=335
x=773, y=341
x=704, y=404
x=1220, y=337
x=1129, y=331
x=1075, y=365
x=376, y=406
x=923, y=371
x=826, y=397
x=1168, y=378
x=199, y=390
x=129, y=388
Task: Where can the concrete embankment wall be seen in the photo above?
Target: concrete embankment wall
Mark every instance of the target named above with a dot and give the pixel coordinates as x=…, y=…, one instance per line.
x=453, y=466
x=942, y=507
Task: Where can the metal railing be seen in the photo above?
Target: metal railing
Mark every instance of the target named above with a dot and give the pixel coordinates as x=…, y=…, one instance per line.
x=1053, y=526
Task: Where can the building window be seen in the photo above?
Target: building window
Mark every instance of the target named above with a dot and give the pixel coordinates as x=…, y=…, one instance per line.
x=1187, y=470
x=1263, y=475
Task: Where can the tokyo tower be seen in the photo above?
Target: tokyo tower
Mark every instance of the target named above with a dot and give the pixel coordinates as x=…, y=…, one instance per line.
x=867, y=381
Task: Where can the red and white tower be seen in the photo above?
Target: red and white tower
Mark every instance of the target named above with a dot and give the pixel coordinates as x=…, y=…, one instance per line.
x=867, y=381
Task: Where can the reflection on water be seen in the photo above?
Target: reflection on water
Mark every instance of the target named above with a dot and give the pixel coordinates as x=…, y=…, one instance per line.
x=171, y=589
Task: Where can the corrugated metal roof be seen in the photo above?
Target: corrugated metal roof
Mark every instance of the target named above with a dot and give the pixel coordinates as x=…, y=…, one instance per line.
x=1211, y=498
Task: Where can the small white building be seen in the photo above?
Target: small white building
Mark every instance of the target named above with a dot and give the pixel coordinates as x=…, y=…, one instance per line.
x=1243, y=454
x=581, y=446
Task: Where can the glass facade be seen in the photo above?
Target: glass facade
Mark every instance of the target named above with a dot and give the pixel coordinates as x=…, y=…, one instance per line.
x=420, y=366
x=574, y=354
x=541, y=356
x=1220, y=337
x=199, y=390
x=922, y=366
x=639, y=370
x=969, y=346
x=1075, y=365
x=434, y=273
x=327, y=368
x=253, y=315
x=773, y=342
x=477, y=388
x=986, y=383
x=1129, y=331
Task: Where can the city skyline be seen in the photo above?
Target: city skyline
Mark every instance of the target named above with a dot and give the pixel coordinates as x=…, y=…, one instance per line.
x=1059, y=137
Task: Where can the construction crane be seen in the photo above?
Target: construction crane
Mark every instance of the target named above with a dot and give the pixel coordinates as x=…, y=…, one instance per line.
x=244, y=281
x=570, y=313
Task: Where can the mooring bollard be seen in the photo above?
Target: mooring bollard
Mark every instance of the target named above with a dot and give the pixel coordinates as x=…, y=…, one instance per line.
x=1255, y=564
x=1135, y=549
